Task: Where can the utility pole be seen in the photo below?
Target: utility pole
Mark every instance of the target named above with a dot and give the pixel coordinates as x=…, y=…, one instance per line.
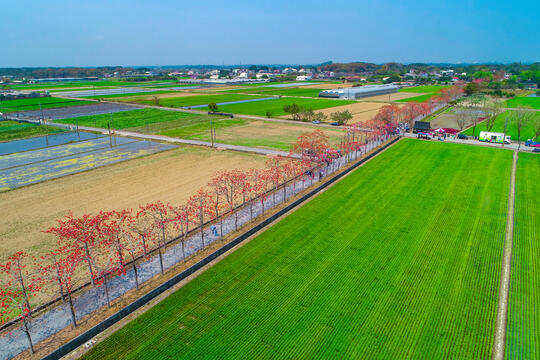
x=505, y=126
x=211, y=132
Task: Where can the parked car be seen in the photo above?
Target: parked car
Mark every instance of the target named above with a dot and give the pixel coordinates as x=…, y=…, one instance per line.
x=536, y=150
x=532, y=143
x=462, y=137
x=316, y=122
x=334, y=124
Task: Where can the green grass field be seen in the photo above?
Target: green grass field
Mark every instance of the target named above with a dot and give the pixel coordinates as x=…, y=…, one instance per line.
x=429, y=90
x=425, y=89
x=371, y=268
x=276, y=106
x=524, y=101
x=34, y=104
x=133, y=118
x=12, y=130
x=527, y=132
x=186, y=101
x=523, y=334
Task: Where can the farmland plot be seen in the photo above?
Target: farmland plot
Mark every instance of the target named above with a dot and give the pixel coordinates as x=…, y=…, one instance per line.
x=523, y=331
x=371, y=268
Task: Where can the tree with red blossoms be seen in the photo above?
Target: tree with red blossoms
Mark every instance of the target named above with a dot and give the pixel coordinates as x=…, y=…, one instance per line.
x=181, y=220
x=80, y=233
x=19, y=284
x=64, y=261
x=160, y=216
x=202, y=206
x=312, y=145
x=220, y=189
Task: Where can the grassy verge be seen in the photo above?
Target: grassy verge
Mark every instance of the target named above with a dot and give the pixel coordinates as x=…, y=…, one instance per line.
x=365, y=270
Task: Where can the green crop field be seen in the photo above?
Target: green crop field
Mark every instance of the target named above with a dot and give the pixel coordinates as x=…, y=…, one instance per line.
x=133, y=118
x=371, y=268
x=524, y=101
x=186, y=101
x=34, y=104
x=75, y=84
x=114, y=96
x=11, y=130
x=284, y=91
x=527, y=132
x=276, y=106
x=523, y=334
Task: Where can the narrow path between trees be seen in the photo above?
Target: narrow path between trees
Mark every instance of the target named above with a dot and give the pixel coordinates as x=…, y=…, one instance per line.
x=504, y=290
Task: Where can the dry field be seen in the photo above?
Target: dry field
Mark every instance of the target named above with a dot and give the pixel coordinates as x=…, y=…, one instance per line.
x=169, y=176
x=362, y=111
x=270, y=134
x=159, y=96
x=392, y=97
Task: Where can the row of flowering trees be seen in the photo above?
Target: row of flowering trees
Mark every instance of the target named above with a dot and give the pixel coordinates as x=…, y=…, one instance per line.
x=408, y=113
x=91, y=248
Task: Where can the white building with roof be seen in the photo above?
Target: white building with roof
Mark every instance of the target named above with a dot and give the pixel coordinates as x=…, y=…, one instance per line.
x=359, y=91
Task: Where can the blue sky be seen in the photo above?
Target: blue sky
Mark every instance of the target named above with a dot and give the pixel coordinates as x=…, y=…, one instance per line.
x=161, y=32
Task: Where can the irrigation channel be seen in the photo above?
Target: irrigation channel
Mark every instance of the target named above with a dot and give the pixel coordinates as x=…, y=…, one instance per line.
x=51, y=321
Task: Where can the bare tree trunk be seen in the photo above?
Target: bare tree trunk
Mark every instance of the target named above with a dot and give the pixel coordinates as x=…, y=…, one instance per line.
x=201, y=217
x=87, y=252
x=72, y=309
x=27, y=332
x=144, y=245
x=136, y=274
x=106, y=288
x=160, y=259
x=183, y=250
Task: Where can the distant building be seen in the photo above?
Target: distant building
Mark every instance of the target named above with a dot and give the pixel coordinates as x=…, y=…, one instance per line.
x=304, y=78
x=359, y=91
x=529, y=84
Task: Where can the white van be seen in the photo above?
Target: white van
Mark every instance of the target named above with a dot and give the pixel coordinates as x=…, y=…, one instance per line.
x=494, y=137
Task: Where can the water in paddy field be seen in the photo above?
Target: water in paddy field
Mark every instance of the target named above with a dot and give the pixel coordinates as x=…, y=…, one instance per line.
x=39, y=142
x=34, y=166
